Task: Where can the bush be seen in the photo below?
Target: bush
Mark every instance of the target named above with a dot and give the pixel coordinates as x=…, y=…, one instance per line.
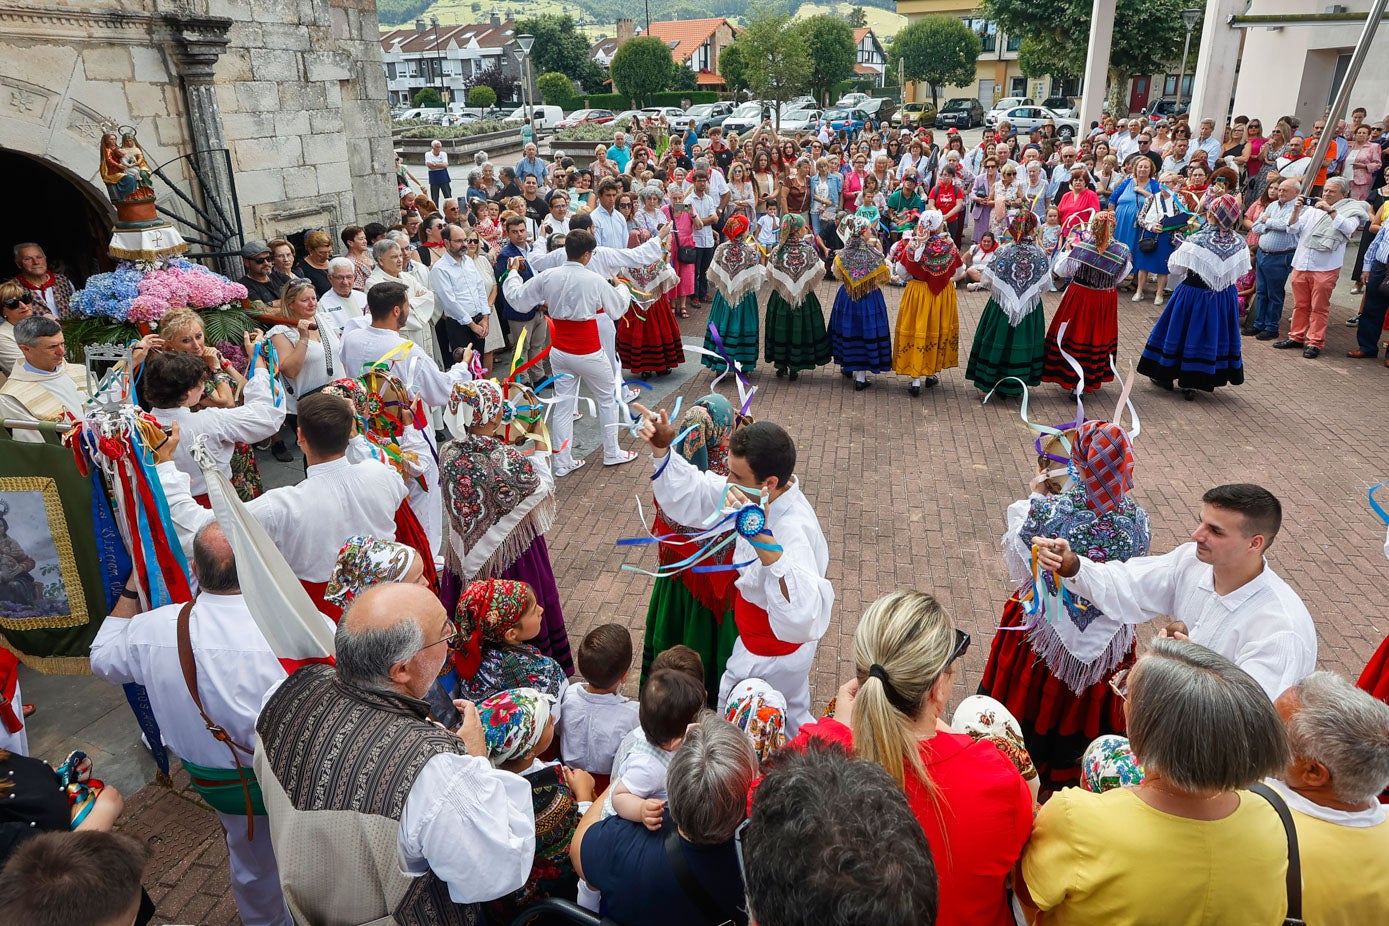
x=555, y=87
x=443, y=132
x=427, y=97
x=614, y=101
x=482, y=97
x=674, y=97
x=589, y=131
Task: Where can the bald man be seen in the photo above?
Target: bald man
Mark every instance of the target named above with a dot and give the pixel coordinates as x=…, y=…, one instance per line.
x=235, y=668
x=411, y=819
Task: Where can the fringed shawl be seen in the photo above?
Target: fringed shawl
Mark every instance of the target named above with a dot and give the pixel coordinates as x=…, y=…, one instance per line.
x=794, y=269
x=736, y=269
x=936, y=264
x=651, y=282
x=1217, y=256
x=496, y=503
x=1110, y=262
x=1017, y=276
x=861, y=268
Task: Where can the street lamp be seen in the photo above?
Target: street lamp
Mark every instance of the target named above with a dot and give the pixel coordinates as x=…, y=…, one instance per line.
x=1189, y=19
x=524, y=42
x=438, y=61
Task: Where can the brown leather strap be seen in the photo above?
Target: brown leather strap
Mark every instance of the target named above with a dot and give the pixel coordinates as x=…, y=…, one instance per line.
x=189, y=666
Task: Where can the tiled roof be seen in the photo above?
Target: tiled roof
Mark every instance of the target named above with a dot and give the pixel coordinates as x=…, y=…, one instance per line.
x=866, y=69
x=607, y=46
x=860, y=33
x=708, y=80
x=406, y=40
x=685, y=35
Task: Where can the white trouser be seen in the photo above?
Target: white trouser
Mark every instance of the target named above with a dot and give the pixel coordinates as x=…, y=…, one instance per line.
x=17, y=743
x=789, y=674
x=255, y=877
x=596, y=372
x=607, y=336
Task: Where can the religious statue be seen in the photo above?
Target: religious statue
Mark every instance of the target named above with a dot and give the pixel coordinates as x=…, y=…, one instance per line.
x=129, y=182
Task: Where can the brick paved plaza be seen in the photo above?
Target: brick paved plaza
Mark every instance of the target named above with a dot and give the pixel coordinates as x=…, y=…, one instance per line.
x=912, y=493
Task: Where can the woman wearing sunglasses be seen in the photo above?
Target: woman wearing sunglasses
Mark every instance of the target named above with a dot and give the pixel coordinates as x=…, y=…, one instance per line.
x=972, y=802
x=16, y=304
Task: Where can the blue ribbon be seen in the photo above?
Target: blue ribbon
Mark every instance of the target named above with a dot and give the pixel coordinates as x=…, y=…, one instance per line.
x=1378, y=509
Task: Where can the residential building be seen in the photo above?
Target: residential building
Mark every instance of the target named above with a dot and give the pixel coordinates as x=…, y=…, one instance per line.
x=697, y=43
x=871, y=62
x=446, y=56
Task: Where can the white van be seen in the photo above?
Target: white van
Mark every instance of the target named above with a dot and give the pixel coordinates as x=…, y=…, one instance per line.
x=546, y=117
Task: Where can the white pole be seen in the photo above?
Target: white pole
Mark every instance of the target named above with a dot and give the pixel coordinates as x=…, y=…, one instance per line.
x=1096, y=63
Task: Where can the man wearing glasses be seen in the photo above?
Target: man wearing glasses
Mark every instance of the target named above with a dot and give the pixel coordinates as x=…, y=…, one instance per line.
x=461, y=290
x=262, y=283
x=1145, y=149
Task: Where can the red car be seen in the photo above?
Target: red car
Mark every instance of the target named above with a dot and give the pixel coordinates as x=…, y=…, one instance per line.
x=580, y=116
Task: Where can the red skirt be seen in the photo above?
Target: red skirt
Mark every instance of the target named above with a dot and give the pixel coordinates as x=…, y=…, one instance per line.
x=1375, y=678
x=648, y=340
x=1091, y=317
x=1057, y=724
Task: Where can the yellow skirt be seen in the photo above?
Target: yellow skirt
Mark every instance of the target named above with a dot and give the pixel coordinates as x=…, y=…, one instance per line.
x=927, y=339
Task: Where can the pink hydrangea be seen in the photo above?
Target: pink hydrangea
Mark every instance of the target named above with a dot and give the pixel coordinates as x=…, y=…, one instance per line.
x=148, y=309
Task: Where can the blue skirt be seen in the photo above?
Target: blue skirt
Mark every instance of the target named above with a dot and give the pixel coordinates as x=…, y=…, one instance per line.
x=1196, y=341
x=860, y=338
x=1155, y=262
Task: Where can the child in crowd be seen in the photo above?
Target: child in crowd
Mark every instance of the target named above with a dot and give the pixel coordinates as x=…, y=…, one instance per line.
x=980, y=256
x=596, y=713
x=519, y=726
x=670, y=702
x=1049, y=235
x=1245, y=287
x=501, y=614
x=768, y=223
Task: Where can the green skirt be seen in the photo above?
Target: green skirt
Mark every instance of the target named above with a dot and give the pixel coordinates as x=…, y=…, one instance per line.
x=737, y=327
x=675, y=616
x=1001, y=350
x=796, y=337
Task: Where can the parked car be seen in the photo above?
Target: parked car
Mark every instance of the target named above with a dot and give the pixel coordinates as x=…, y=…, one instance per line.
x=624, y=118
x=1165, y=108
x=801, y=120
x=879, y=109
x=705, y=116
x=1062, y=106
x=544, y=116
x=1027, y=118
x=962, y=112
x=746, y=118
x=800, y=102
x=914, y=114
x=1005, y=104
x=850, y=120
x=850, y=100
x=673, y=114
x=581, y=116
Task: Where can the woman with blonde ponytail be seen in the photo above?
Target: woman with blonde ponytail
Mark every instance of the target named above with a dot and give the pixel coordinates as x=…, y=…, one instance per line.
x=973, y=804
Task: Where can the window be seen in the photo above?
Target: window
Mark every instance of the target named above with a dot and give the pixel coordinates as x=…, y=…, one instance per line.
x=987, y=32
x=1169, y=86
x=390, y=70
x=1014, y=43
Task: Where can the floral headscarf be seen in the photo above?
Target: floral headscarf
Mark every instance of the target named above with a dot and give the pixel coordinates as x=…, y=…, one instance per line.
x=1022, y=225
x=513, y=722
x=364, y=562
x=351, y=390
x=707, y=445
x=493, y=606
x=759, y=710
x=472, y=403
x=1109, y=763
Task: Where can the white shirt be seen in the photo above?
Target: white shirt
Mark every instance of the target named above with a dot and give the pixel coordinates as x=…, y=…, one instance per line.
x=572, y=291
x=362, y=346
x=459, y=288
x=1305, y=258
x=314, y=372
x=254, y=420
x=1262, y=626
x=609, y=228
x=705, y=207
x=606, y=262
x=343, y=309
x=593, y=728
x=1125, y=146
x=235, y=670
x=643, y=770
x=689, y=496
x=308, y=522
x=471, y=824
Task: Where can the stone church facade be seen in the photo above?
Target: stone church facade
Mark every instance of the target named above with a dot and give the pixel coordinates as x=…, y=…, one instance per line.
x=294, y=90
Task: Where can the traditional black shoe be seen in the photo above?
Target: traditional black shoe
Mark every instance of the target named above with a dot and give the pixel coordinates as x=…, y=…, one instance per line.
x=794, y=376
x=1161, y=383
x=862, y=384
x=1312, y=353
x=279, y=451
x=1189, y=395
x=931, y=381
x=1265, y=335
x=914, y=389
x=780, y=372
x=1288, y=344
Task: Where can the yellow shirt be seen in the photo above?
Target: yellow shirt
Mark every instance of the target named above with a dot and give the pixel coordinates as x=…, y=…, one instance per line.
x=1345, y=872
x=1111, y=860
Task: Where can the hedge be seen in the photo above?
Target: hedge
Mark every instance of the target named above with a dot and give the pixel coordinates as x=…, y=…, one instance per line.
x=614, y=101
x=466, y=130
x=676, y=97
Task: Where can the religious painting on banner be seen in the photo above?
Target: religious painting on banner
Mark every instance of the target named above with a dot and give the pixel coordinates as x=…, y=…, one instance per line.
x=62, y=561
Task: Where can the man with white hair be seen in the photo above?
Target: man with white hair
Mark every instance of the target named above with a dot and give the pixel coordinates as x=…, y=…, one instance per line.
x=1061, y=173
x=619, y=152
x=346, y=306
x=1323, y=230
x=1340, y=745
x=52, y=291
x=1125, y=143
x=1207, y=142
x=530, y=165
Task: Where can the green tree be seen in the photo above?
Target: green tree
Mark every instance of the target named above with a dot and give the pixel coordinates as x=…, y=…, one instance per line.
x=1056, y=33
x=733, y=68
x=482, y=97
x=829, y=41
x=858, y=18
x=555, y=88
x=682, y=77
x=641, y=67
x=562, y=48
x=427, y=97
x=940, y=50
x=778, y=63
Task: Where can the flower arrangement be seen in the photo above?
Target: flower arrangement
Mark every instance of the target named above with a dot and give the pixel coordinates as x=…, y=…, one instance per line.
x=141, y=293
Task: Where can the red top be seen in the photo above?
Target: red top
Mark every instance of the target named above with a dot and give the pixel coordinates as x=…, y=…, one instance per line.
x=945, y=196
x=987, y=811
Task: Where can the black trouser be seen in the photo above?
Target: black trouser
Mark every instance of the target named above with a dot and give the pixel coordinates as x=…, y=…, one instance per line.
x=461, y=335
x=703, y=258
x=1371, y=328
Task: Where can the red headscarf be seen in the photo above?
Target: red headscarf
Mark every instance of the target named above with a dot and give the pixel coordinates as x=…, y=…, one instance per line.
x=1103, y=457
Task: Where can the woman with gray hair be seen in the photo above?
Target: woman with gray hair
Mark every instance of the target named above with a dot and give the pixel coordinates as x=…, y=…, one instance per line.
x=707, y=786
x=1204, y=731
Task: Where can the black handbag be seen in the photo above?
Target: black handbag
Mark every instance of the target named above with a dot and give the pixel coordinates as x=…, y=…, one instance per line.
x=685, y=252
x=1146, y=244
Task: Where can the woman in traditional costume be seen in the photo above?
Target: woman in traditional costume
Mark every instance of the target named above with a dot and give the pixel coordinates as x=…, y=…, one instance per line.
x=860, y=339
x=927, y=339
x=365, y=562
x=648, y=336
x=796, y=338
x=1196, y=341
x=736, y=272
x=495, y=619
x=695, y=609
x=498, y=504
x=1089, y=310
x=1051, y=670
x=1010, y=342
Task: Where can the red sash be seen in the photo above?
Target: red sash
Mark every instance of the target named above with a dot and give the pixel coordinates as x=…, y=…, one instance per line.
x=755, y=630
x=316, y=590
x=410, y=532
x=575, y=337
x=9, y=684
x=203, y=500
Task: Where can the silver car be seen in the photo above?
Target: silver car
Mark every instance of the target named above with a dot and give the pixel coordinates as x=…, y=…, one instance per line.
x=1027, y=118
